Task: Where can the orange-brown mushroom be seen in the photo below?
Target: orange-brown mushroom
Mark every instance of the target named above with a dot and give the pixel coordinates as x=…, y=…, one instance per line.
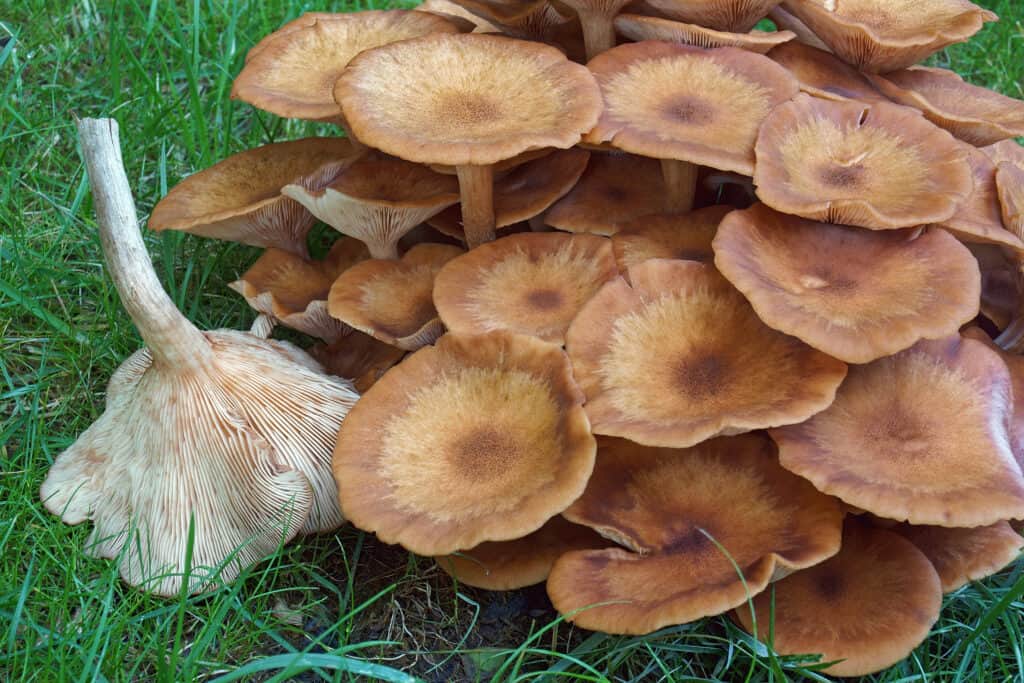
x=705, y=527
x=477, y=438
x=680, y=357
x=639, y=27
x=357, y=357
x=980, y=218
x=685, y=236
x=855, y=294
x=823, y=75
x=723, y=15
x=921, y=436
x=528, y=283
x=784, y=21
x=964, y=555
x=878, y=166
x=527, y=19
x=1010, y=185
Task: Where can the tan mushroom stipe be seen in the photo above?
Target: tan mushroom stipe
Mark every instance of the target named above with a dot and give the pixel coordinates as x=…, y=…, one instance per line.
x=736, y=16
x=736, y=506
x=358, y=357
x=973, y=114
x=470, y=101
x=378, y=199
x=687, y=106
x=684, y=236
x=855, y=294
x=964, y=555
x=878, y=166
x=391, y=299
x=921, y=436
x=885, y=35
x=188, y=419
x=292, y=72
x=638, y=27
x=614, y=188
x=449, y=9
x=507, y=565
x=294, y=290
x=528, y=283
x=823, y=75
x=239, y=199
x=596, y=17
x=980, y=218
x=865, y=608
x=477, y=438
x=680, y=357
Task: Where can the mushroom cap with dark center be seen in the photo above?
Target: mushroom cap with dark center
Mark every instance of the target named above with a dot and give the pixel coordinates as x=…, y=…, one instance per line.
x=477, y=438
x=736, y=16
x=467, y=99
x=671, y=101
x=638, y=27
x=980, y=218
x=878, y=166
x=685, y=236
x=921, y=436
x=528, y=283
x=680, y=356
x=823, y=75
x=292, y=71
x=964, y=555
x=855, y=294
x=686, y=517
x=869, y=605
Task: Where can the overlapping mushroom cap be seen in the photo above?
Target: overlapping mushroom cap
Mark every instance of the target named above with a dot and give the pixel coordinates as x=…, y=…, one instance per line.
x=920, y=436
x=979, y=219
x=668, y=236
x=723, y=15
x=964, y=555
x=639, y=27
x=855, y=294
x=878, y=166
x=680, y=356
x=477, y=438
x=705, y=528
x=822, y=74
x=358, y=357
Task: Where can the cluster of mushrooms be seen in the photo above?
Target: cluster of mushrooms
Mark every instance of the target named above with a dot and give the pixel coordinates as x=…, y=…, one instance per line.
x=682, y=317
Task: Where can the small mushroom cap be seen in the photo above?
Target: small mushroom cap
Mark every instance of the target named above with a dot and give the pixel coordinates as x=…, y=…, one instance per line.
x=685, y=236
x=823, y=75
x=1010, y=184
x=878, y=166
x=671, y=101
x=639, y=27
x=529, y=283
x=974, y=114
x=467, y=99
x=477, y=438
x=239, y=199
x=357, y=357
x=507, y=565
x=980, y=218
x=391, y=299
x=614, y=188
x=1015, y=365
x=687, y=515
x=680, y=357
x=736, y=16
x=292, y=71
x=879, y=36
x=920, y=436
x=855, y=294
x=529, y=19
x=964, y=555
x=865, y=608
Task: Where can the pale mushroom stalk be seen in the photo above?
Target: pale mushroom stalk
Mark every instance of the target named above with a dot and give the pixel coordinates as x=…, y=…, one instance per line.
x=598, y=32
x=680, y=183
x=476, y=187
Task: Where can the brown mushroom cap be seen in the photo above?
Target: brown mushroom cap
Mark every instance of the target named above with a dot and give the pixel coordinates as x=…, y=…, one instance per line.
x=784, y=21
x=477, y=438
x=686, y=517
x=507, y=565
x=292, y=71
x=528, y=283
x=974, y=114
x=391, y=299
x=823, y=75
x=1010, y=184
x=865, y=608
x=855, y=294
x=671, y=101
x=964, y=555
x=886, y=35
x=357, y=357
x=639, y=27
x=239, y=199
x=466, y=21
x=614, y=188
x=736, y=16
x=528, y=19
x=920, y=436
x=1005, y=151
x=1015, y=365
x=680, y=357
x=878, y=166
x=685, y=236
x=980, y=218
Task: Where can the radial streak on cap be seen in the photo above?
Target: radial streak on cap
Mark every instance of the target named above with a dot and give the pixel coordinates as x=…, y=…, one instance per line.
x=868, y=606
x=722, y=15
x=639, y=27
x=855, y=294
x=883, y=448
x=964, y=555
x=878, y=166
x=980, y=218
x=477, y=438
x=680, y=357
x=470, y=101
x=687, y=516
x=239, y=199
x=824, y=75
x=885, y=35
x=684, y=236
x=687, y=106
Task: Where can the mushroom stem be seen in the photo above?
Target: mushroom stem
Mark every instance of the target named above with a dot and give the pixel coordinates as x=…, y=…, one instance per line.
x=476, y=187
x=680, y=184
x=381, y=250
x=171, y=338
x=598, y=33
x=1012, y=338
x=262, y=326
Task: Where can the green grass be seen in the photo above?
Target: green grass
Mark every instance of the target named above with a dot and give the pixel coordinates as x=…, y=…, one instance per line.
x=335, y=607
